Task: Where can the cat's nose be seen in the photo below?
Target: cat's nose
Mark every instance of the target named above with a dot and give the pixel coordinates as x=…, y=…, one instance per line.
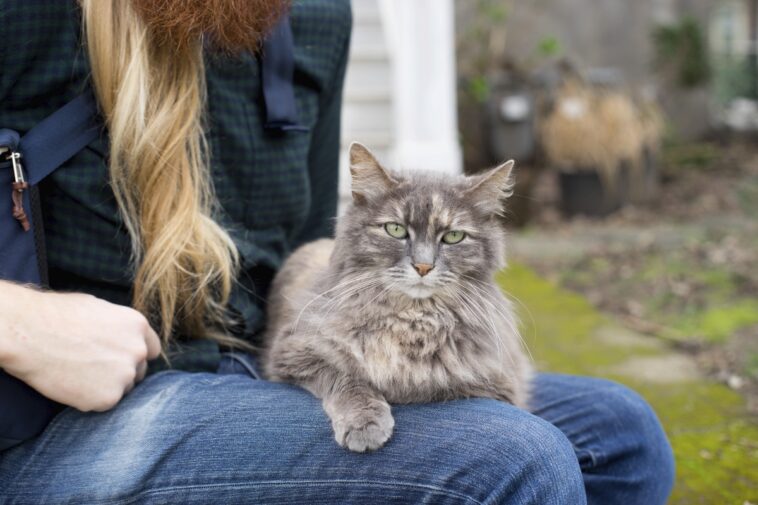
x=423, y=268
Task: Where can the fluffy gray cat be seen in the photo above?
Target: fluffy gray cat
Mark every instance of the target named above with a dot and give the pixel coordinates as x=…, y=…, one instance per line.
x=401, y=307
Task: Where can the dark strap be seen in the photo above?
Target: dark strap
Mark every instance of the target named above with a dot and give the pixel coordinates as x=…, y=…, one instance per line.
x=9, y=138
x=56, y=138
x=44, y=148
x=278, y=70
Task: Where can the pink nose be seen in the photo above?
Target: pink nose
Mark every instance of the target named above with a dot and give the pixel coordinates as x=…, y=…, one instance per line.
x=423, y=268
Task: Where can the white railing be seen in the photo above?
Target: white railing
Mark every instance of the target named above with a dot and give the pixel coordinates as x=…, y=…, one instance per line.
x=420, y=35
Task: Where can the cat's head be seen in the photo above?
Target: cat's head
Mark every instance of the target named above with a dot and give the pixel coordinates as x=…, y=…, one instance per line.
x=422, y=234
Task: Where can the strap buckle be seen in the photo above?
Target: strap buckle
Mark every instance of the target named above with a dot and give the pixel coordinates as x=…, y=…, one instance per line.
x=19, y=185
x=8, y=154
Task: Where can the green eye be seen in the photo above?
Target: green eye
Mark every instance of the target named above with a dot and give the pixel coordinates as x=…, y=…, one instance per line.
x=453, y=237
x=396, y=230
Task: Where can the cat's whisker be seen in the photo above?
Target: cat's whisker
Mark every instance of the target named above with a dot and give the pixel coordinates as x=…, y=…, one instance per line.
x=340, y=285
x=509, y=295
x=344, y=296
x=387, y=289
x=486, y=318
x=483, y=296
x=507, y=316
x=338, y=301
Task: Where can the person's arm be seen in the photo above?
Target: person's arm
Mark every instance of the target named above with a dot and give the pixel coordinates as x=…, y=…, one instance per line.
x=73, y=348
x=323, y=157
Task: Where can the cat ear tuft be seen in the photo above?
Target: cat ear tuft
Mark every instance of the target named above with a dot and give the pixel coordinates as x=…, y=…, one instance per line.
x=370, y=180
x=488, y=190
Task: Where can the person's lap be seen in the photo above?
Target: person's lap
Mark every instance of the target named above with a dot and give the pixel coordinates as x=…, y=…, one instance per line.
x=206, y=438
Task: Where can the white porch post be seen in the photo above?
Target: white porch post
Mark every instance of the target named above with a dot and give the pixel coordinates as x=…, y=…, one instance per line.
x=421, y=37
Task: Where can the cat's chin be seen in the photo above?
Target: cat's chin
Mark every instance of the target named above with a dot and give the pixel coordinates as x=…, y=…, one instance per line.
x=418, y=292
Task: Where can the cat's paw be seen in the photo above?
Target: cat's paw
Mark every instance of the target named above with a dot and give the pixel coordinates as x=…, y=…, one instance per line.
x=365, y=429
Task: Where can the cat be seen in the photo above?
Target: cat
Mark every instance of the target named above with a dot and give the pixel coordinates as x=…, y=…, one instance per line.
x=401, y=307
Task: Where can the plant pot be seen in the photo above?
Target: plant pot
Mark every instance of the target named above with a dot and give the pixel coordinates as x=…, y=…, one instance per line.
x=625, y=183
x=583, y=192
x=646, y=183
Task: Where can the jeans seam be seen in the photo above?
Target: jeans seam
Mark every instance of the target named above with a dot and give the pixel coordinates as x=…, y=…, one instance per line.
x=245, y=364
x=592, y=456
x=292, y=484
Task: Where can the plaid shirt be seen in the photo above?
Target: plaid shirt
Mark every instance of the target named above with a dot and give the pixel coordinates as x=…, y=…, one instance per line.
x=276, y=191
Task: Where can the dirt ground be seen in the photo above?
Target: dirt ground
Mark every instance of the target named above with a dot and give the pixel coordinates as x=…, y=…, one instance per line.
x=683, y=269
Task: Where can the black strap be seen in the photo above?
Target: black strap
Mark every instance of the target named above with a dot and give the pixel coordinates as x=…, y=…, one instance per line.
x=56, y=138
x=278, y=70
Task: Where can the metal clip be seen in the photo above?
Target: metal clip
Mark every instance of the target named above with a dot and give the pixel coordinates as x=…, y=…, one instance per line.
x=19, y=185
x=7, y=154
x=18, y=169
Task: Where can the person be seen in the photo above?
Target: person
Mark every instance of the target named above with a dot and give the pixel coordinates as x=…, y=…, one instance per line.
x=169, y=229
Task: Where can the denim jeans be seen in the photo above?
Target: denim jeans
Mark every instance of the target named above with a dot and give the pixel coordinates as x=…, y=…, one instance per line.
x=231, y=438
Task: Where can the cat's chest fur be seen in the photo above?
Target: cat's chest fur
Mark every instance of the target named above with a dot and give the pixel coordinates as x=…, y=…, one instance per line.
x=410, y=351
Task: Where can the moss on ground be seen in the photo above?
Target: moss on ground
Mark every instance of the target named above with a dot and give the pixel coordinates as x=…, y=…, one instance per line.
x=717, y=324
x=715, y=442
x=695, y=293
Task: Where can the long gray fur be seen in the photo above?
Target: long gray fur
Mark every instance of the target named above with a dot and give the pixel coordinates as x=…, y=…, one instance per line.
x=353, y=322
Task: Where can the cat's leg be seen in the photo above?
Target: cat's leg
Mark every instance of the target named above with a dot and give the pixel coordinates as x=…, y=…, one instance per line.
x=361, y=417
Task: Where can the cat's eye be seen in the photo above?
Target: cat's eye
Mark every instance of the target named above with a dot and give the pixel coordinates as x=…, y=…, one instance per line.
x=453, y=237
x=396, y=230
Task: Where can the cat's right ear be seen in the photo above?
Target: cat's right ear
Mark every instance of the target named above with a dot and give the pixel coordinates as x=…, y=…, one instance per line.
x=370, y=180
x=488, y=190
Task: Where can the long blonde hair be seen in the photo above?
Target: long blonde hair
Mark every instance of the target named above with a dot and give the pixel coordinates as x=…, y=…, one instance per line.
x=152, y=97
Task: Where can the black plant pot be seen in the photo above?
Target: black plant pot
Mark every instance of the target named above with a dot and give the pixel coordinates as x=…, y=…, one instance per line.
x=646, y=184
x=583, y=192
x=624, y=184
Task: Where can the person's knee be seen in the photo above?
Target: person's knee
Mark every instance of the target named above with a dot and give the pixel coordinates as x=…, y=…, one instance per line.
x=550, y=470
x=642, y=448
x=525, y=459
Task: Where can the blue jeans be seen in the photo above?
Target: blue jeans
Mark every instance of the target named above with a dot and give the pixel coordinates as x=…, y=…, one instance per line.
x=230, y=438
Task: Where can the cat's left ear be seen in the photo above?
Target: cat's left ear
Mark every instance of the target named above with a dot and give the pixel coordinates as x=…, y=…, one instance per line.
x=488, y=190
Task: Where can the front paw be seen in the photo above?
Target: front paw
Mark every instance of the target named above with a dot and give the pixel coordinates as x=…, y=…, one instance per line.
x=365, y=429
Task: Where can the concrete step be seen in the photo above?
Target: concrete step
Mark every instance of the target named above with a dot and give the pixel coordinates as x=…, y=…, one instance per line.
x=367, y=117
x=366, y=11
x=366, y=95
x=367, y=36
x=368, y=76
x=380, y=141
x=370, y=52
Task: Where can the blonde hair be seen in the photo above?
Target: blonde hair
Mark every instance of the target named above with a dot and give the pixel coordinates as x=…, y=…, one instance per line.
x=152, y=97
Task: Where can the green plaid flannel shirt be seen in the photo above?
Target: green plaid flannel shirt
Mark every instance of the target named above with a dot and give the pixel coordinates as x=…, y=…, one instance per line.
x=276, y=191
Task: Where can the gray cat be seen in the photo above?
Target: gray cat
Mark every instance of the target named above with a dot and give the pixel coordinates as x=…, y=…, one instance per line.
x=402, y=306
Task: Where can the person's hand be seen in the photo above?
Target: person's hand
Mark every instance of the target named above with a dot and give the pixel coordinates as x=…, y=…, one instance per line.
x=75, y=349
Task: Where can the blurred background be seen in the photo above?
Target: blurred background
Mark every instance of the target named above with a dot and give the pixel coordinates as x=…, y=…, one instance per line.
x=634, y=226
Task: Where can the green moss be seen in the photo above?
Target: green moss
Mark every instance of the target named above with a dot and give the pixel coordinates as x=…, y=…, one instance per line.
x=751, y=365
x=560, y=326
x=721, y=283
x=719, y=323
x=693, y=156
x=748, y=195
x=715, y=443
